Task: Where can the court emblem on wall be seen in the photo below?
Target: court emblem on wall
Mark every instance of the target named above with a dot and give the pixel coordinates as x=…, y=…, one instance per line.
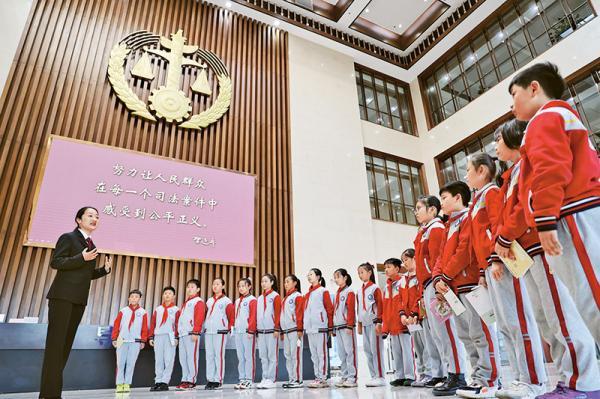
x=164, y=78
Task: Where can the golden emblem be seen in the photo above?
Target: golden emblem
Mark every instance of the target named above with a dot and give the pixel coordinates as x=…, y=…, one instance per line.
x=168, y=100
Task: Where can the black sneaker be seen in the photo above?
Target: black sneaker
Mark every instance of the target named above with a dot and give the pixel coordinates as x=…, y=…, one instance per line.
x=209, y=386
x=452, y=384
x=434, y=381
x=217, y=386
x=155, y=387
x=397, y=382
x=408, y=382
x=162, y=387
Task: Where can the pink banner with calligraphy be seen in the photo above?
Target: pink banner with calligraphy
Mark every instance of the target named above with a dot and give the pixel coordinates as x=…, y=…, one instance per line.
x=149, y=205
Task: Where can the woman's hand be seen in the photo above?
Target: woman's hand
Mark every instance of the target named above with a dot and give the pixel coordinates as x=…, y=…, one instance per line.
x=108, y=264
x=497, y=271
x=90, y=255
x=504, y=252
x=276, y=334
x=300, y=334
x=359, y=329
x=378, y=329
x=194, y=338
x=482, y=282
x=441, y=287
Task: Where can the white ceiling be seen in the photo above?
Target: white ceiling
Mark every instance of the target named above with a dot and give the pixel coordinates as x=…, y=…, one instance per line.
x=395, y=15
x=355, y=9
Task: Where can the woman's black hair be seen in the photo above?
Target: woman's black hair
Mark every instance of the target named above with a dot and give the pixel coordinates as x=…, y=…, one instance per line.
x=273, y=281
x=484, y=159
x=81, y=211
x=369, y=267
x=431, y=201
x=320, y=275
x=296, y=280
x=409, y=252
x=222, y=282
x=345, y=275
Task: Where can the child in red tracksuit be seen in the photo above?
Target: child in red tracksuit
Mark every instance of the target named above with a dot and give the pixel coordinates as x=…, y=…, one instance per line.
x=410, y=314
x=428, y=247
x=399, y=336
x=455, y=269
x=537, y=296
x=560, y=186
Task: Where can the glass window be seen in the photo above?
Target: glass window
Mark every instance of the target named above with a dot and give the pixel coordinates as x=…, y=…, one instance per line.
x=508, y=42
x=394, y=185
x=384, y=102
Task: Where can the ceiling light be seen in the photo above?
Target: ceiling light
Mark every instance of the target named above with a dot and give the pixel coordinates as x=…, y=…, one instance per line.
x=276, y=22
x=367, y=10
x=228, y=4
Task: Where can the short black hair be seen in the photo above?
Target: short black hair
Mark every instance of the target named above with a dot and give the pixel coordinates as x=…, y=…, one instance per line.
x=169, y=288
x=81, y=211
x=136, y=291
x=393, y=261
x=458, y=187
x=546, y=74
x=193, y=281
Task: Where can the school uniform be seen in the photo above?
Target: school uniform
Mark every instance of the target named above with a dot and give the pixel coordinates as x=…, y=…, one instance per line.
x=244, y=331
x=542, y=296
x=428, y=245
x=292, y=322
x=190, y=323
x=318, y=321
x=344, y=323
x=163, y=331
x=268, y=312
x=410, y=308
x=220, y=315
x=560, y=181
x=459, y=268
x=131, y=326
x=400, y=341
x=370, y=313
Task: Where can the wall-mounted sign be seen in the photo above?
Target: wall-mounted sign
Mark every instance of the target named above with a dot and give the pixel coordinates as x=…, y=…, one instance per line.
x=142, y=55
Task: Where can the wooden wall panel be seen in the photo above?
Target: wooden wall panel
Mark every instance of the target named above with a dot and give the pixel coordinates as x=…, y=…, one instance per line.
x=58, y=85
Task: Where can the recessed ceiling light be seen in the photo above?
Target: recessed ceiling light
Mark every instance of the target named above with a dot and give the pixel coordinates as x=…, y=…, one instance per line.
x=276, y=22
x=228, y=4
x=367, y=10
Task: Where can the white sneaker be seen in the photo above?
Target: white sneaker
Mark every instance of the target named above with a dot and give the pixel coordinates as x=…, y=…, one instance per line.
x=238, y=385
x=340, y=383
x=268, y=384
x=318, y=384
x=350, y=384
x=476, y=391
x=260, y=384
x=521, y=390
x=376, y=382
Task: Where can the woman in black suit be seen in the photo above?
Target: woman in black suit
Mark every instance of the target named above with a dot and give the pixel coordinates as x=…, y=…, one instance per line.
x=75, y=260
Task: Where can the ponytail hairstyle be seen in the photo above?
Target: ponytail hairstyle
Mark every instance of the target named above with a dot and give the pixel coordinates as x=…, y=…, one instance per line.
x=246, y=280
x=222, y=282
x=296, y=280
x=512, y=133
x=320, y=275
x=369, y=267
x=273, y=281
x=345, y=275
x=431, y=201
x=484, y=159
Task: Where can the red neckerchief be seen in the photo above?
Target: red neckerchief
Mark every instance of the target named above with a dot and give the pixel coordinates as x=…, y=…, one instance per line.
x=364, y=287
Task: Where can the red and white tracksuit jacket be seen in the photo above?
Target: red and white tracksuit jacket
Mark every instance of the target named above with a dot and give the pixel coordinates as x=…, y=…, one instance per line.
x=457, y=265
x=131, y=324
x=512, y=224
x=428, y=248
x=220, y=315
x=268, y=309
x=484, y=213
x=344, y=309
x=191, y=316
x=318, y=310
x=560, y=169
x=410, y=296
x=370, y=304
x=292, y=312
x=245, y=314
x=164, y=320
x=392, y=298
